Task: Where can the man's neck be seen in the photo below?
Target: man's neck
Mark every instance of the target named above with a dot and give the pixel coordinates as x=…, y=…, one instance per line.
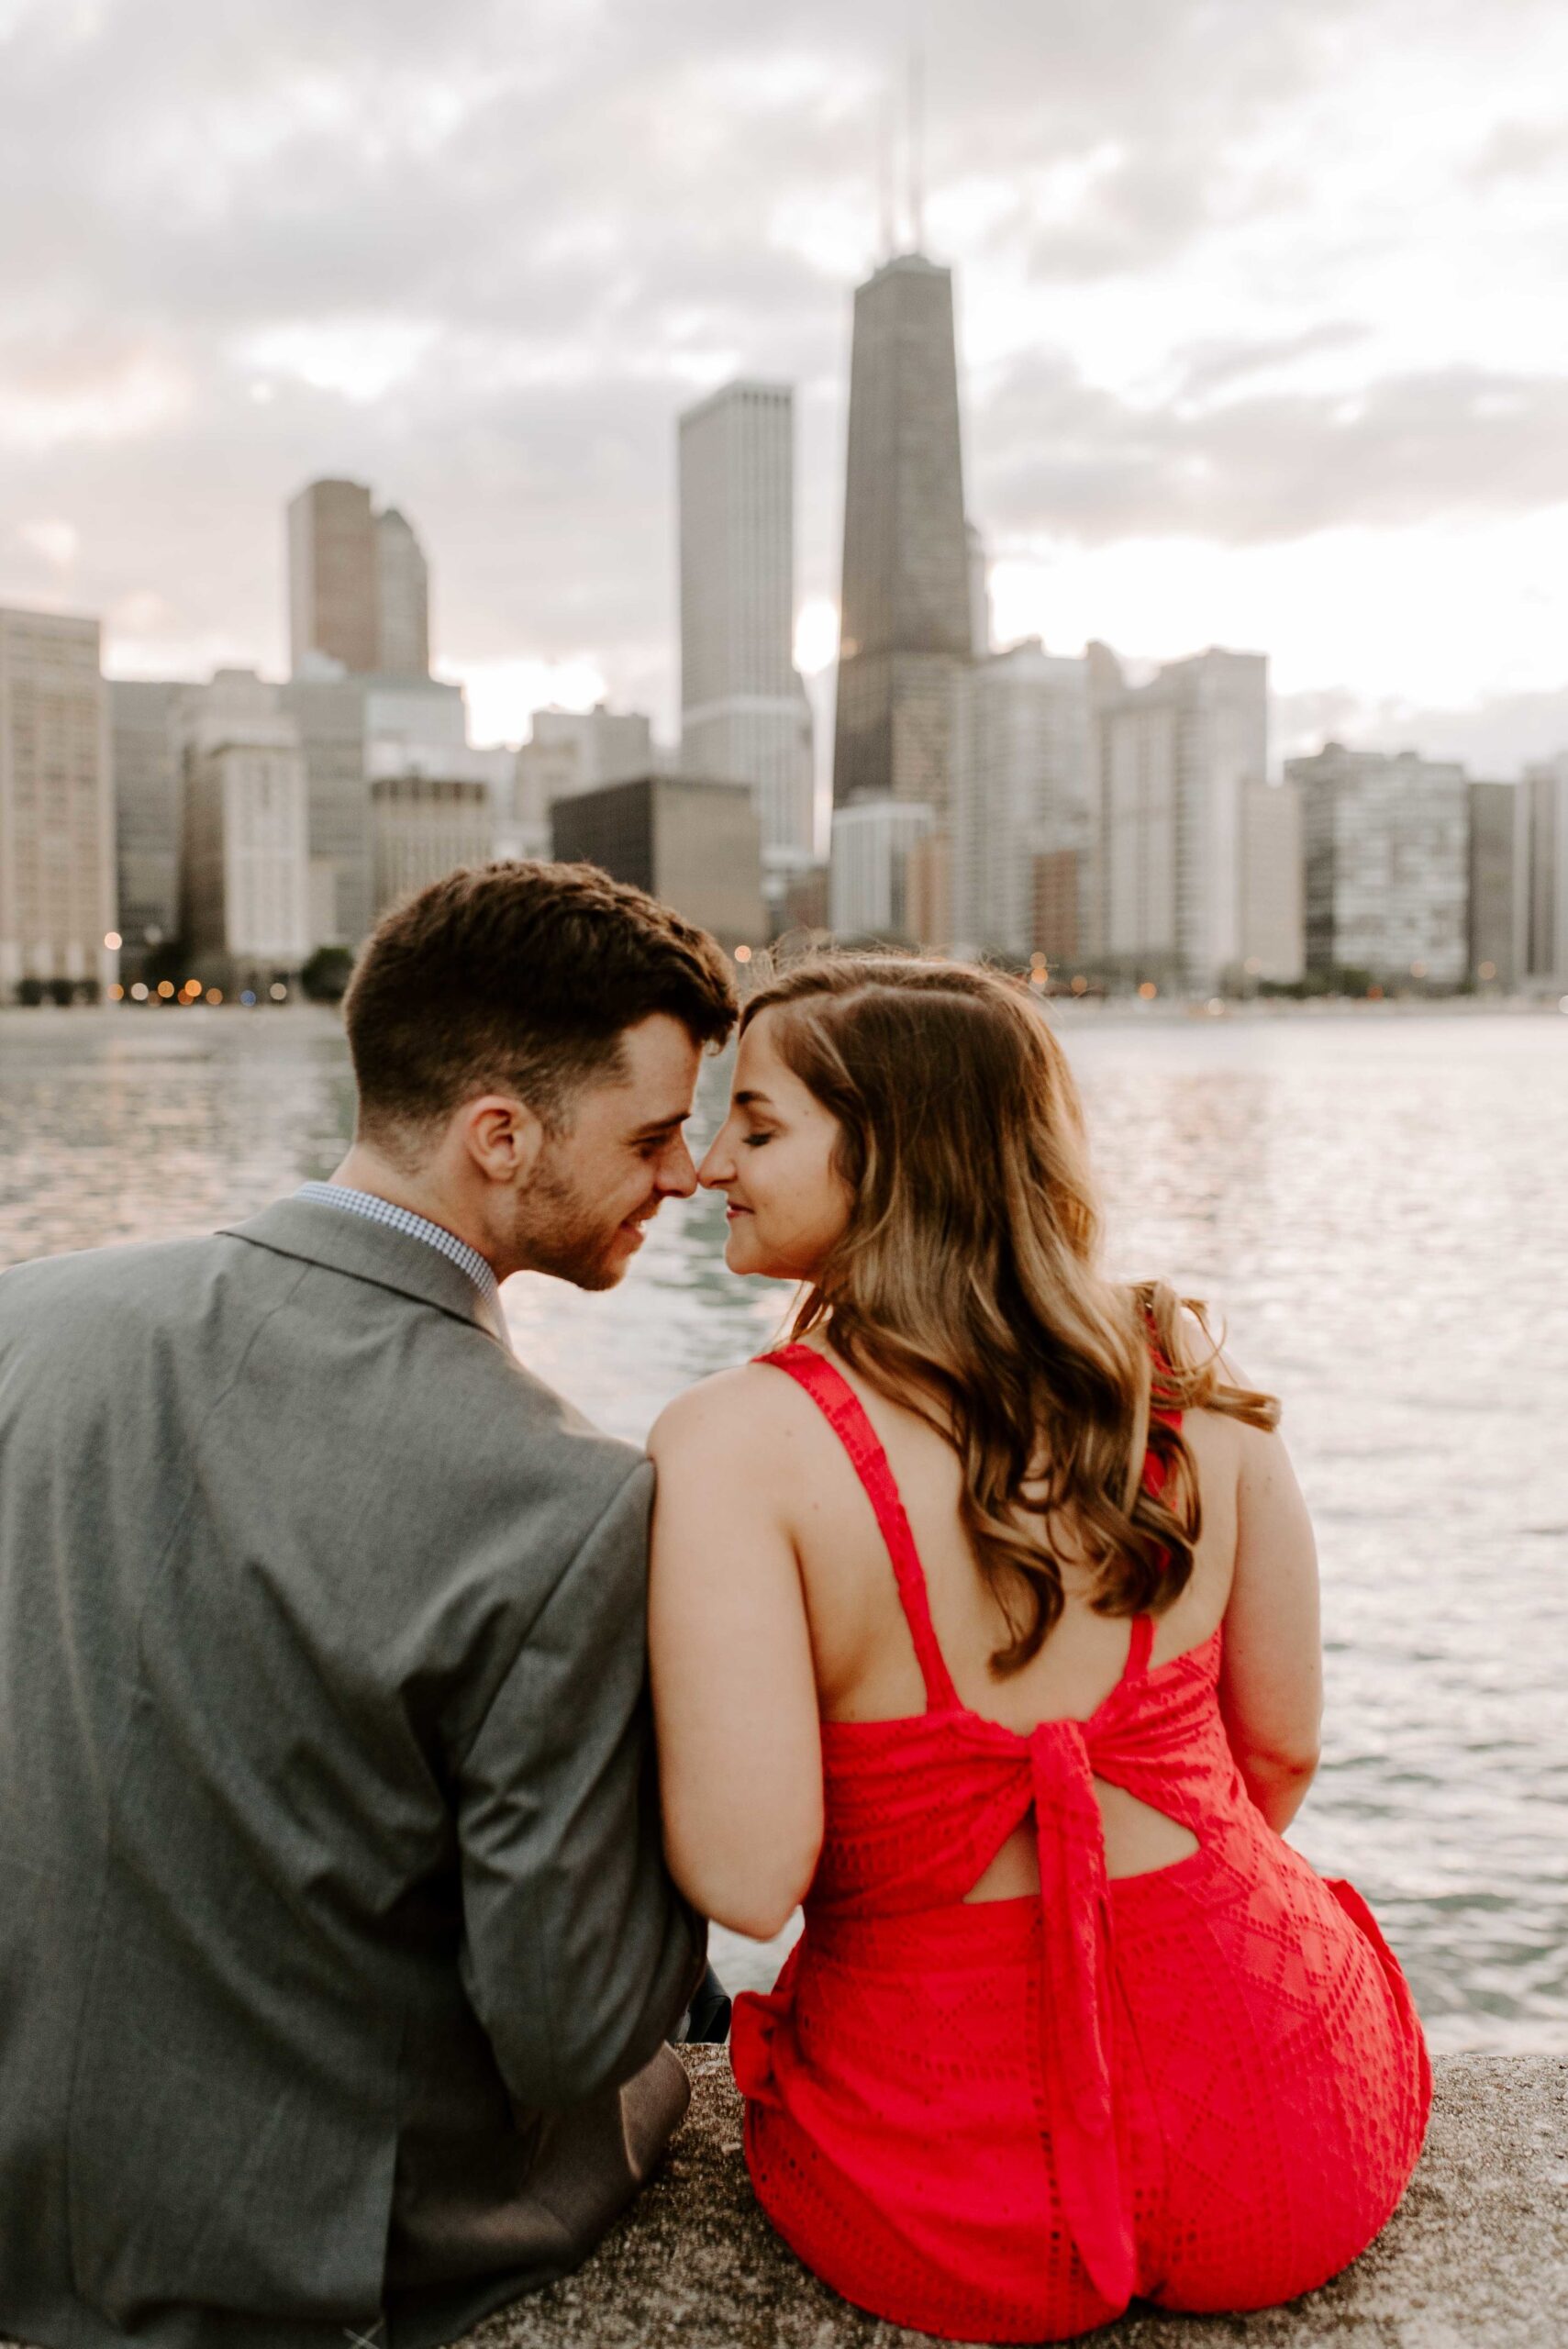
x=365, y=1170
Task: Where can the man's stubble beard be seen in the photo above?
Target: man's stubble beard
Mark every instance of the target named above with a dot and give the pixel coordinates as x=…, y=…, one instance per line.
x=558, y=1232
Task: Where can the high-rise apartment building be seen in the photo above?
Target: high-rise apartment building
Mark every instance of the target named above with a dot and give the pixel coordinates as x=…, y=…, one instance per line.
x=403, y=598
x=1545, y=853
x=57, y=827
x=744, y=716
x=1387, y=851
x=145, y=756
x=1173, y=759
x=907, y=614
x=359, y=586
x=246, y=841
x=1020, y=791
x=869, y=893
x=696, y=844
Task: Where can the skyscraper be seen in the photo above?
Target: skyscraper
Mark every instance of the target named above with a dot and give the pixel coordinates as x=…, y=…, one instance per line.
x=148, y=817
x=403, y=596
x=696, y=844
x=874, y=842
x=57, y=827
x=1272, y=883
x=1499, y=893
x=359, y=584
x=1544, y=819
x=906, y=619
x=245, y=846
x=573, y=750
x=744, y=718
x=424, y=827
x=1174, y=758
x=340, y=720
x=1387, y=846
x=334, y=578
x=1020, y=790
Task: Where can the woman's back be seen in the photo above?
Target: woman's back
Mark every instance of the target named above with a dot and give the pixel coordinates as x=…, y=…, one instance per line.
x=925, y=2047
x=865, y=1661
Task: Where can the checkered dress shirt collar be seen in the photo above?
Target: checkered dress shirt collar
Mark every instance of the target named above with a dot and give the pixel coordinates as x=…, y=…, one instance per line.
x=417, y=1227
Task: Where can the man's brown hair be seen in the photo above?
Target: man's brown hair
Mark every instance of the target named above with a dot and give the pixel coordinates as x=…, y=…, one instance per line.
x=519, y=978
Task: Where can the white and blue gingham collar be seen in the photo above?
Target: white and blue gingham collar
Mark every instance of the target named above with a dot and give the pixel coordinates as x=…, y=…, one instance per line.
x=417, y=1227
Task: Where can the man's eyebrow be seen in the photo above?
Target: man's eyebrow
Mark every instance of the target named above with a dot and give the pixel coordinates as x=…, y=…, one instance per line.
x=662, y=1125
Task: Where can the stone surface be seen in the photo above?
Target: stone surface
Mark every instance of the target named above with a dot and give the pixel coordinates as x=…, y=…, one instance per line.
x=1476, y=2257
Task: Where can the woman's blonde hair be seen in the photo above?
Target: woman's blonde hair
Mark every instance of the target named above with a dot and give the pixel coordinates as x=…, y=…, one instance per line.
x=967, y=1281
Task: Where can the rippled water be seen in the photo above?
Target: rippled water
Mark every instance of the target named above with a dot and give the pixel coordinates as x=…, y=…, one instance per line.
x=1378, y=1206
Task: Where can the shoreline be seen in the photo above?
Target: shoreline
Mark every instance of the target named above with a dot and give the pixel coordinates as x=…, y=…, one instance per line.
x=1065, y=1008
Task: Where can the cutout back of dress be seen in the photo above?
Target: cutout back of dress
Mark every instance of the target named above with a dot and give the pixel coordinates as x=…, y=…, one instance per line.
x=916, y=1808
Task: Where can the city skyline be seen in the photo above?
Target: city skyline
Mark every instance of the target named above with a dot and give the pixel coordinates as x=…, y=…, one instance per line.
x=1246, y=316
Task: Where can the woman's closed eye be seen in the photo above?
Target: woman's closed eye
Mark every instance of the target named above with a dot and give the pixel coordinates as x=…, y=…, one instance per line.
x=755, y=1141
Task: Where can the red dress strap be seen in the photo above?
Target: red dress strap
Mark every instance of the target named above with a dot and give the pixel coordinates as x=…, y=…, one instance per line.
x=842, y=1407
x=1138, y=1647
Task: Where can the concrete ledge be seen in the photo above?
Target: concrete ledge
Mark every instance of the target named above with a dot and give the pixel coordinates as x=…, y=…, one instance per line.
x=1476, y=2257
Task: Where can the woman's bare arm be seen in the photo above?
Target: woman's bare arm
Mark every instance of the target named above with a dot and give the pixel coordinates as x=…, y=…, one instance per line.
x=734, y=1689
x=1271, y=1689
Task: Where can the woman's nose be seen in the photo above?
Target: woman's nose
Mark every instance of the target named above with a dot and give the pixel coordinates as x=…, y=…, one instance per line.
x=717, y=1165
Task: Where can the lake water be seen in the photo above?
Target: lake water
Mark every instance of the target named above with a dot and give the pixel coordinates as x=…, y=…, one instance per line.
x=1378, y=1205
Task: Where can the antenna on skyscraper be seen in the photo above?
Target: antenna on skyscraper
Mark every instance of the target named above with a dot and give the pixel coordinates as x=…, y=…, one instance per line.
x=917, y=146
x=887, y=177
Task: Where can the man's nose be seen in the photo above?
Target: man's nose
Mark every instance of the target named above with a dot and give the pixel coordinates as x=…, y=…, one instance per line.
x=677, y=1175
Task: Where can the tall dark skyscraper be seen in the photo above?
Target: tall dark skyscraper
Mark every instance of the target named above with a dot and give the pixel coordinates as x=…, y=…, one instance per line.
x=905, y=623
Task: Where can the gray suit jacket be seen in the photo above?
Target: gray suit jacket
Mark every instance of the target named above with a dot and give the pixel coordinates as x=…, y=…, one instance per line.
x=332, y=1910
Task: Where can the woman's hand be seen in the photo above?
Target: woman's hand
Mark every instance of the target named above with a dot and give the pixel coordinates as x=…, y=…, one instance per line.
x=734, y=1687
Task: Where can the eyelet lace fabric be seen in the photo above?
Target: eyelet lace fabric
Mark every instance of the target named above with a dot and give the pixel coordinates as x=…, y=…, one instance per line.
x=1001, y=2120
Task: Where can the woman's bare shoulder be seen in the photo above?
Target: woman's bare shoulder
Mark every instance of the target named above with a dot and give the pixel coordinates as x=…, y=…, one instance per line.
x=751, y=1410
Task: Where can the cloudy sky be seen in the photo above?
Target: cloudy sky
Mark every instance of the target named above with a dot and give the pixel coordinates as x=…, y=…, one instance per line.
x=1261, y=308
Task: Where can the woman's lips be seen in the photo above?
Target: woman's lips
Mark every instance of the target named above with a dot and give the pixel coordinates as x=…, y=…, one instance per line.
x=731, y=1212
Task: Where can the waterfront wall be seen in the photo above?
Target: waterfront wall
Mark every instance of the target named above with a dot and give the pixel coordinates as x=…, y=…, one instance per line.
x=1476, y=2257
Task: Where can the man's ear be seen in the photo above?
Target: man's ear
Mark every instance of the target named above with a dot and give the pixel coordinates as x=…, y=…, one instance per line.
x=503, y=1137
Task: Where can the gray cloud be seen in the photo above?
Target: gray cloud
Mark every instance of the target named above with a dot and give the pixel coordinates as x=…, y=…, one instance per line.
x=1497, y=735
x=1070, y=458
x=562, y=214
x=1518, y=150
x=1206, y=368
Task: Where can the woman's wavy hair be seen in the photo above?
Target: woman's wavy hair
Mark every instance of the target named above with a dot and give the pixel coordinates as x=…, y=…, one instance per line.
x=967, y=1281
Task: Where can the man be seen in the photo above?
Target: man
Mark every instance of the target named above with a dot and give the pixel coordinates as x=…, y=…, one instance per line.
x=337, y=1950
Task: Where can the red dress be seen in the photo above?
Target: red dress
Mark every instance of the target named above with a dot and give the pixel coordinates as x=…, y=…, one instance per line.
x=1000, y=2121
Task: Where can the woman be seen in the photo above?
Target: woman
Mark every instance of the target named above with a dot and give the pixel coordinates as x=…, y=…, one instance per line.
x=985, y=1621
